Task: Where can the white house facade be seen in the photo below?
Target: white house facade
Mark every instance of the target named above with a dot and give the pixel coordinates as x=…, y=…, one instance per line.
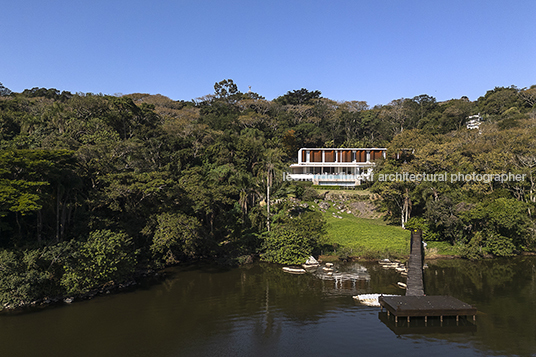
x=474, y=121
x=335, y=166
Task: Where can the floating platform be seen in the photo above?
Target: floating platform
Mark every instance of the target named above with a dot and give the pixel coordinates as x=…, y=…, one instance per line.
x=431, y=326
x=416, y=304
x=425, y=306
x=294, y=270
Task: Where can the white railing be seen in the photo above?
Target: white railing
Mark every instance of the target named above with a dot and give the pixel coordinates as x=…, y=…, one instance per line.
x=339, y=177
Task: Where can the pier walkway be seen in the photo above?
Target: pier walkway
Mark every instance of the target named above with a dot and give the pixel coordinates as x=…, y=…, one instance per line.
x=415, y=283
x=416, y=303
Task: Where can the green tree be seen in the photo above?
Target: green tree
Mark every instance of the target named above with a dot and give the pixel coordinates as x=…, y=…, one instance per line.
x=299, y=97
x=498, y=100
x=396, y=114
x=504, y=225
x=21, y=280
x=33, y=180
x=32, y=274
x=419, y=107
x=455, y=114
x=226, y=90
x=4, y=92
x=294, y=239
x=177, y=236
x=105, y=257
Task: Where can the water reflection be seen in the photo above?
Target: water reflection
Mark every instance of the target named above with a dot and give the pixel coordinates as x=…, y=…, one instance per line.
x=430, y=326
x=503, y=290
x=260, y=310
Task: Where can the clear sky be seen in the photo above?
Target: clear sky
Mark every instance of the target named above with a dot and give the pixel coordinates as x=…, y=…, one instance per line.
x=374, y=50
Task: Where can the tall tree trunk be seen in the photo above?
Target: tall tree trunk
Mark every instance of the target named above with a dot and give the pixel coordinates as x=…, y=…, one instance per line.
x=58, y=208
x=268, y=183
x=63, y=217
x=70, y=213
x=406, y=208
x=39, y=224
x=18, y=224
x=268, y=208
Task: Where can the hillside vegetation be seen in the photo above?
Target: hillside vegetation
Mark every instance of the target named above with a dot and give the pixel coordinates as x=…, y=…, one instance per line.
x=94, y=188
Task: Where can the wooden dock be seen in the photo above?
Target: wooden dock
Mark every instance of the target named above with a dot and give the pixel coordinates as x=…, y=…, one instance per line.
x=415, y=281
x=416, y=303
x=425, y=306
x=432, y=326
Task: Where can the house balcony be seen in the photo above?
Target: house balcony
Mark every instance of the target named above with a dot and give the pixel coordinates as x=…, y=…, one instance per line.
x=340, y=166
x=331, y=179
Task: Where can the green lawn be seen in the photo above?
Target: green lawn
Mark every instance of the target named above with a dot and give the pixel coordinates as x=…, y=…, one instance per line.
x=371, y=238
x=442, y=248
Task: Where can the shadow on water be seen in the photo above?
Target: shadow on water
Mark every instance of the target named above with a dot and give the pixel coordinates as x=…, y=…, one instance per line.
x=145, y=281
x=432, y=325
x=208, y=310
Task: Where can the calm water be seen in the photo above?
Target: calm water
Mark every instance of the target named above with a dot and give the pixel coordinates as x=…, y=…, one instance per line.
x=258, y=310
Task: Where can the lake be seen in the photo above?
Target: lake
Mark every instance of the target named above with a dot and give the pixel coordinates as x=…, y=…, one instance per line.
x=257, y=310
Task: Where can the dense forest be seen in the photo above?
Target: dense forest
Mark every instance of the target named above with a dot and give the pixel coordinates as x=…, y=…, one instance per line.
x=95, y=188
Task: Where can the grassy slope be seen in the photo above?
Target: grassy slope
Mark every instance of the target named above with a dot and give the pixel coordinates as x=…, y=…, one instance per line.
x=366, y=237
x=373, y=238
x=370, y=238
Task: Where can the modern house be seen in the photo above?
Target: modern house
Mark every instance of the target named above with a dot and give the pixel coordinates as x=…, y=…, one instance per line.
x=335, y=166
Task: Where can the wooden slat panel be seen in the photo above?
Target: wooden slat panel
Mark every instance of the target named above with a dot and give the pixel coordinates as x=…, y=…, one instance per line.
x=330, y=156
x=316, y=156
x=361, y=156
x=375, y=155
x=346, y=156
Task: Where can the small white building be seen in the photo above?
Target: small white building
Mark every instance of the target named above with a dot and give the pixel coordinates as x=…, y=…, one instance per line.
x=474, y=121
x=335, y=166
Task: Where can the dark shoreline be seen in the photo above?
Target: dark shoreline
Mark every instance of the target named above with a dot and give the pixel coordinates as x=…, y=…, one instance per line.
x=139, y=279
x=149, y=277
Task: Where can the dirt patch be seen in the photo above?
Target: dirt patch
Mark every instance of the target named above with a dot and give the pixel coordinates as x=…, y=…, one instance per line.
x=364, y=209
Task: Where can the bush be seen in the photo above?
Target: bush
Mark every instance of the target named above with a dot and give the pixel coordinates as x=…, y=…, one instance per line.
x=500, y=246
x=295, y=239
x=310, y=194
x=304, y=191
x=500, y=226
x=473, y=249
x=18, y=278
x=30, y=275
x=105, y=257
x=286, y=247
x=177, y=235
x=420, y=223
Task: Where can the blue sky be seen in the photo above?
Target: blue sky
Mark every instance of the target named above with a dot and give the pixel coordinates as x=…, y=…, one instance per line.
x=372, y=50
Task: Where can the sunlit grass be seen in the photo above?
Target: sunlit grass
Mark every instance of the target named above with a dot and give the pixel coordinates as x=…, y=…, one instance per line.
x=442, y=248
x=371, y=238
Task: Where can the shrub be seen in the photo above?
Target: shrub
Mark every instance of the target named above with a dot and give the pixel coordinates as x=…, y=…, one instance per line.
x=34, y=274
x=420, y=223
x=500, y=246
x=286, y=247
x=177, y=235
x=295, y=239
x=105, y=257
x=18, y=278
